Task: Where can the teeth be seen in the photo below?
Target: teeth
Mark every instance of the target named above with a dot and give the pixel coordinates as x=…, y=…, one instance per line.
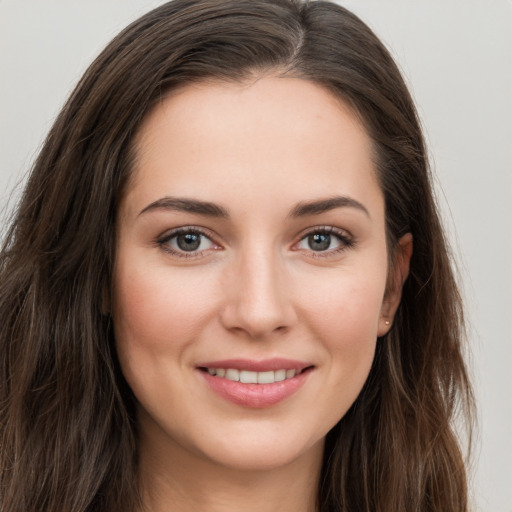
x=232, y=374
x=279, y=375
x=266, y=377
x=249, y=377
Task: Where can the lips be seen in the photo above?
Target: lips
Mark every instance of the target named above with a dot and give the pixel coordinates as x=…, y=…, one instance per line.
x=255, y=383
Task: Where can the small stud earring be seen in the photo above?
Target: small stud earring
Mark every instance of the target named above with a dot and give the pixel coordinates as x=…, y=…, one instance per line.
x=387, y=322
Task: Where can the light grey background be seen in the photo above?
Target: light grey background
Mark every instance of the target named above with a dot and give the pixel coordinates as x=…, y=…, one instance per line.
x=457, y=58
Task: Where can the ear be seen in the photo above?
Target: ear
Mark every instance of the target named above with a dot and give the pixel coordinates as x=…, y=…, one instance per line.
x=396, y=279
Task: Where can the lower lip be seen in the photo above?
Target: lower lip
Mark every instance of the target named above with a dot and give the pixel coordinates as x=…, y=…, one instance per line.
x=255, y=395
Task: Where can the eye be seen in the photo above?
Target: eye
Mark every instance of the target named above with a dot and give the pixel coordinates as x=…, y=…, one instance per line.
x=186, y=242
x=328, y=239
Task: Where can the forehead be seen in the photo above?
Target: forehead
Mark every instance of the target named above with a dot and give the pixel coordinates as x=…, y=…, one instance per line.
x=280, y=133
x=290, y=106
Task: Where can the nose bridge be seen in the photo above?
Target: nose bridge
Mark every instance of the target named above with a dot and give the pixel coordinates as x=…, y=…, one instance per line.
x=259, y=304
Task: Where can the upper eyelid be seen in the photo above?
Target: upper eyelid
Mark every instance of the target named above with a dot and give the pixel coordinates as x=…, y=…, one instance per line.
x=170, y=233
x=325, y=229
x=209, y=234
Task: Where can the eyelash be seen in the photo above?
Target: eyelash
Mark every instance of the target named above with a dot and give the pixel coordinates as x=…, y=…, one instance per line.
x=163, y=242
x=346, y=241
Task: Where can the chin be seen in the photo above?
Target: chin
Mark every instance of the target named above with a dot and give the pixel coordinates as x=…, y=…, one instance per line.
x=260, y=456
x=257, y=446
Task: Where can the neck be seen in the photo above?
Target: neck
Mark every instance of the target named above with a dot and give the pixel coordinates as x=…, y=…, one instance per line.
x=175, y=480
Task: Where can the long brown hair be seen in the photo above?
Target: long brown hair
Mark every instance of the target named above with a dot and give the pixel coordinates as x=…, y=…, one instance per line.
x=67, y=426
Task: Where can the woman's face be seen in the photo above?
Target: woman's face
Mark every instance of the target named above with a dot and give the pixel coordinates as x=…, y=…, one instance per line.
x=251, y=247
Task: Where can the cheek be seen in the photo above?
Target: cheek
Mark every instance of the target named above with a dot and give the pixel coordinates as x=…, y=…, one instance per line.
x=345, y=306
x=157, y=313
x=158, y=307
x=343, y=314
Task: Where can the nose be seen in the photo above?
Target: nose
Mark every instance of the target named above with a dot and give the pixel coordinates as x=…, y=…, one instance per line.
x=258, y=302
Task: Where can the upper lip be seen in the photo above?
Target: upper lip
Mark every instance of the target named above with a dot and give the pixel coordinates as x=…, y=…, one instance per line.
x=263, y=365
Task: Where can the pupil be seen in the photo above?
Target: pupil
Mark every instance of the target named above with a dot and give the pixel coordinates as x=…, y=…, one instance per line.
x=319, y=241
x=189, y=242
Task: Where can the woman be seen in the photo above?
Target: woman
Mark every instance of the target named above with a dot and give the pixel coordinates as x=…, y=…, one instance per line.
x=226, y=286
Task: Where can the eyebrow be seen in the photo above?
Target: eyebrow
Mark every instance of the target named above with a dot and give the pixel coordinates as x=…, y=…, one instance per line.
x=209, y=209
x=187, y=205
x=325, y=205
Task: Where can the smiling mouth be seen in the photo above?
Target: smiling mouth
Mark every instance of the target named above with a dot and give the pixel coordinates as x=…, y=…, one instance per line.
x=255, y=384
x=252, y=377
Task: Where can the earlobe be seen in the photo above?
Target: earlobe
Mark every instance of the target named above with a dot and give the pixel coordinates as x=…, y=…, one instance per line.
x=398, y=274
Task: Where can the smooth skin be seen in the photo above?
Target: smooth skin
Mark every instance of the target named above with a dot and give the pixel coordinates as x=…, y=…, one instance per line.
x=270, y=267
